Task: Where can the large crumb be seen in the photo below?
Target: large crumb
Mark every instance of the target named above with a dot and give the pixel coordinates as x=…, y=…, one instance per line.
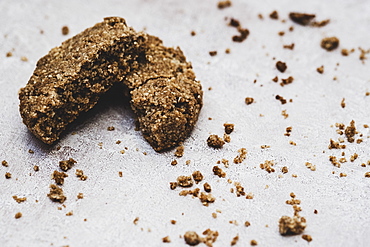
x=228, y=128
x=301, y=18
x=192, y=238
x=292, y=226
x=184, y=181
x=241, y=157
x=56, y=194
x=206, y=198
x=330, y=43
x=215, y=141
x=59, y=177
x=65, y=165
x=218, y=172
x=197, y=176
x=306, y=237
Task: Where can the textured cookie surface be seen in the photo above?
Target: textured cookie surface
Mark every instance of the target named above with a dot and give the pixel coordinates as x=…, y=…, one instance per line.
x=71, y=77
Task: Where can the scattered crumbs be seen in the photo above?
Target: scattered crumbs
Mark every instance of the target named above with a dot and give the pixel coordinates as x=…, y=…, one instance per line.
x=56, y=194
x=213, y=53
x=274, y=15
x=24, y=59
x=335, y=145
x=184, y=181
x=284, y=114
x=249, y=100
x=136, y=220
x=241, y=157
x=59, y=177
x=215, y=141
x=290, y=47
x=254, y=242
x=173, y=222
x=284, y=169
x=70, y=213
x=330, y=43
x=218, y=172
x=334, y=161
x=65, y=165
x=301, y=18
x=65, y=30
x=281, y=99
x=354, y=157
x=281, y=66
x=268, y=166
x=320, y=69
x=292, y=143
x=193, y=33
x=111, y=128
x=235, y=240
x=210, y=237
x=19, y=199
x=8, y=175
x=173, y=185
x=310, y=166
x=80, y=174
x=120, y=174
x=223, y=4
x=192, y=238
x=197, y=176
x=343, y=103
x=4, y=163
x=228, y=128
x=207, y=187
x=247, y=224
x=18, y=215
x=166, y=239
x=9, y=54
x=80, y=196
x=306, y=237
x=179, y=151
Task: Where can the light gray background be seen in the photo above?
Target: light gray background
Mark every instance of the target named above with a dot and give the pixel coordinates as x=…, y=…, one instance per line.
x=112, y=203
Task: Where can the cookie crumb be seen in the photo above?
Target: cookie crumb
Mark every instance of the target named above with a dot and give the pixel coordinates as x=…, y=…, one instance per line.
x=24, y=59
x=228, y=128
x=289, y=47
x=56, y=194
x=330, y=43
x=206, y=198
x=224, y=4
x=268, y=166
x=65, y=30
x=197, y=176
x=184, y=181
x=80, y=174
x=70, y=213
x=281, y=66
x=166, y=239
x=343, y=103
x=65, y=165
x=136, y=220
x=80, y=196
x=367, y=174
x=120, y=174
x=18, y=215
x=19, y=199
x=249, y=100
x=8, y=175
x=243, y=35
x=4, y=163
x=207, y=187
x=179, y=151
x=310, y=166
x=193, y=33
x=59, y=177
x=306, y=237
x=192, y=238
x=292, y=226
x=215, y=141
x=301, y=18
x=235, y=240
x=241, y=157
x=218, y=172
x=110, y=128
x=287, y=81
x=284, y=169
x=173, y=185
x=320, y=69
x=274, y=15
x=254, y=242
x=213, y=53
x=247, y=224
x=173, y=222
x=9, y=54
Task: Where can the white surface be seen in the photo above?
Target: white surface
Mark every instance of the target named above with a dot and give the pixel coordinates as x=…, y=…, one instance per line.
x=112, y=203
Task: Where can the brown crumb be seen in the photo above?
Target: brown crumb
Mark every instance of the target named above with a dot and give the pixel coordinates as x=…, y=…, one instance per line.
x=194, y=192
x=241, y=157
x=306, y=237
x=18, y=215
x=342, y=175
x=335, y=145
x=284, y=169
x=207, y=187
x=290, y=47
x=235, y=240
x=214, y=215
x=227, y=138
x=174, y=162
x=218, y=172
x=65, y=165
x=249, y=196
x=367, y=174
x=111, y=128
x=173, y=222
x=173, y=185
x=345, y=52
x=320, y=69
x=227, y=51
x=254, y=242
x=260, y=16
x=330, y=43
x=9, y=54
x=187, y=162
x=80, y=196
x=223, y=4
x=120, y=174
x=281, y=33
x=4, y=163
x=363, y=53
x=70, y=213
x=24, y=59
x=215, y=141
x=184, y=181
x=292, y=143
x=284, y=114
x=59, y=177
x=288, y=131
x=56, y=194
x=249, y=100
x=65, y=30
x=310, y=166
x=334, y=161
x=320, y=23
x=80, y=174
x=118, y=142
x=197, y=176
x=234, y=23
x=136, y=220
x=287, y=81
x=350, y=131
x=206, y=198
x=192, y=238
x=8, y=175
x=213, y=53
x=354, y=157
x=166, y=239
x=267, y=166
x=19, y=199
x=281, y=99
x=301, y=18
x=292, y=226
x=239, y=189
x=179, y=151
x=31, y=151
x=228, y=128
x=243, y=35
x=281, y=66
x=274, y=15
x=210, y=238
x=265, y=146
x=275, y=79
x=247, y=224
x=343, y=103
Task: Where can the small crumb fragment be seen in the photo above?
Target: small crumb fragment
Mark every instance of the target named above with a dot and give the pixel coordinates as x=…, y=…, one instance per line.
x=173, y=185
x=166, y=239
x=59, y=177
x=289, y=47
x=249, y=100
x=70, y=213
x=281, y=66
x=218, y=172
x=65, y=30
x=192, y=238
x=292, y=143
x=284, y=169
x=118, y=142
x=268, y=166
x=56, y=194
x=111, y=128
x=65, y=165
x=193, y=33
x=19, y=199
x=235, y=240
x=173, y=222
x=206, y=198
x=80, y=196
x=243, y=35
x=224, y=4
x=227, y=138
x=342, y=175
x=249, y=196
x=247, y=224
x=213, y=53
x=228, y=128
x=8, y=175
x=80, y=174
x=31, y=151
x=320, y=69
x=287, y=81
x=179, y=151
x=281, y=99
x=310, y=166
x=306, y=237
x=254, y=242
x=184, y=181
x=197, y=176
x=4, y=163
x=301, y=18
x=120, y=174
x=215, y=141
x=343, y=103
x=288, y=130
x=241, y=157
x=354, y=157
x=227, y=51
x=274, y=15
x=367, y=174
x=350, y=131
x=330, y=43
x=9, y=54
x=24, y=59
x=207, y=187
x=18, y=215
x=210, y=238
x=136, y=220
